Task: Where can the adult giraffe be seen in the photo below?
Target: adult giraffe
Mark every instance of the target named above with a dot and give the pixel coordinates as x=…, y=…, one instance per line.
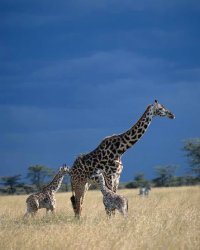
x=107, y=157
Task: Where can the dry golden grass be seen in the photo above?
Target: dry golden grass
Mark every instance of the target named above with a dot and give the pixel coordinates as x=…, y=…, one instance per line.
x=168, y=219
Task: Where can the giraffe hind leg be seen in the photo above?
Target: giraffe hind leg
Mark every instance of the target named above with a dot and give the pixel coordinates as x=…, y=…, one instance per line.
x=78, y=198
x=26, y=214
x=32, y=208
x=108, y=212
x=30, y=211
x=78, y=206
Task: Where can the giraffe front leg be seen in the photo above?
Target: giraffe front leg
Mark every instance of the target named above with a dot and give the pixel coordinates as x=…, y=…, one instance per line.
x=78, y=207
x=53, y=210
x=124, y=212
x=53, y=205
x=115, y=188
x=50, y=209
x=47, y=211
x=108, y=212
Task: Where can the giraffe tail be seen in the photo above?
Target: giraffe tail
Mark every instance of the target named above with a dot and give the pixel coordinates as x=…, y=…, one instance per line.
x=73, y=201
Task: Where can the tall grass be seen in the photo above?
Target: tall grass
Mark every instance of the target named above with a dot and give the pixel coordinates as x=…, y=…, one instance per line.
x=168, y=219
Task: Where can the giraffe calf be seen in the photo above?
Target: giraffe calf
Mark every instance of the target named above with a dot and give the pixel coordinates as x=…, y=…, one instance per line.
x=40, y=200
x=46, y=197
x=111, y=200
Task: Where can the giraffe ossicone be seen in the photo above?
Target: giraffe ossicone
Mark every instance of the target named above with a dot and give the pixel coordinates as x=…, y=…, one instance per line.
x=107, y=156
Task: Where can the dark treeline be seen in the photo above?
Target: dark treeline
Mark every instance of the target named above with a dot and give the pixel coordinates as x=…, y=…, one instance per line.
x=165, y=176
x=37, y=177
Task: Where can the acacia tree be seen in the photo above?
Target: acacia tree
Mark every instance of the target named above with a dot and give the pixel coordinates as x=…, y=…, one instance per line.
x=138, y=181
x=38, y=173
x=11, y=182
x=192, y=148
x=165, y=175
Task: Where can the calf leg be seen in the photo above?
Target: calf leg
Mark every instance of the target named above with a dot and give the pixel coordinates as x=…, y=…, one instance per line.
x=108, y=212
x=32, y=208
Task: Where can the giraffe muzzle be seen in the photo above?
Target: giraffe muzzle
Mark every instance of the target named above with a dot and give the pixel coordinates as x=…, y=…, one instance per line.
x=171, y=116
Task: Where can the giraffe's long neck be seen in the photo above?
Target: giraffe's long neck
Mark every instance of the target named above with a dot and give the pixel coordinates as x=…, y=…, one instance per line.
x=55, y=184
x=102, y=184
x=131, y=136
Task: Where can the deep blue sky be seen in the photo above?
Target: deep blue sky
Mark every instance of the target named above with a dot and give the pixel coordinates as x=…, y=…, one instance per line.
x=74, y=72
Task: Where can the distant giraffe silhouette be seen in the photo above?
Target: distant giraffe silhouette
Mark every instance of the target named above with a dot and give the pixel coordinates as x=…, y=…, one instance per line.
x=111, y=200
x=46, y=197
x=107, y=156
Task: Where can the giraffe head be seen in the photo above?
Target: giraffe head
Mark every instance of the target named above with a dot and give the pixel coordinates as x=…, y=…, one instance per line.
x=98, y=177
x=64, y=170
x=160, y=110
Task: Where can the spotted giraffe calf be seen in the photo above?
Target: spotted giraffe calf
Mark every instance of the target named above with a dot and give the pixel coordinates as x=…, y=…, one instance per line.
x=111, y=200
x=46, y=197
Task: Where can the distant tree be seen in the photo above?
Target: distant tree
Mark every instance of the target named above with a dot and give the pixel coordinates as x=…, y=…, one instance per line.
x=38, y=173
x=65, y=184
x=24, y=187
x=183, y=181
x=192, y=148
x=165, y=175
x=11, y=182
x=130, y=185
x=138, y=181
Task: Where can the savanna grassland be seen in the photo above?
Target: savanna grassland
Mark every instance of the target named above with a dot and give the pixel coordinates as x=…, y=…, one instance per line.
x=168, y=219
